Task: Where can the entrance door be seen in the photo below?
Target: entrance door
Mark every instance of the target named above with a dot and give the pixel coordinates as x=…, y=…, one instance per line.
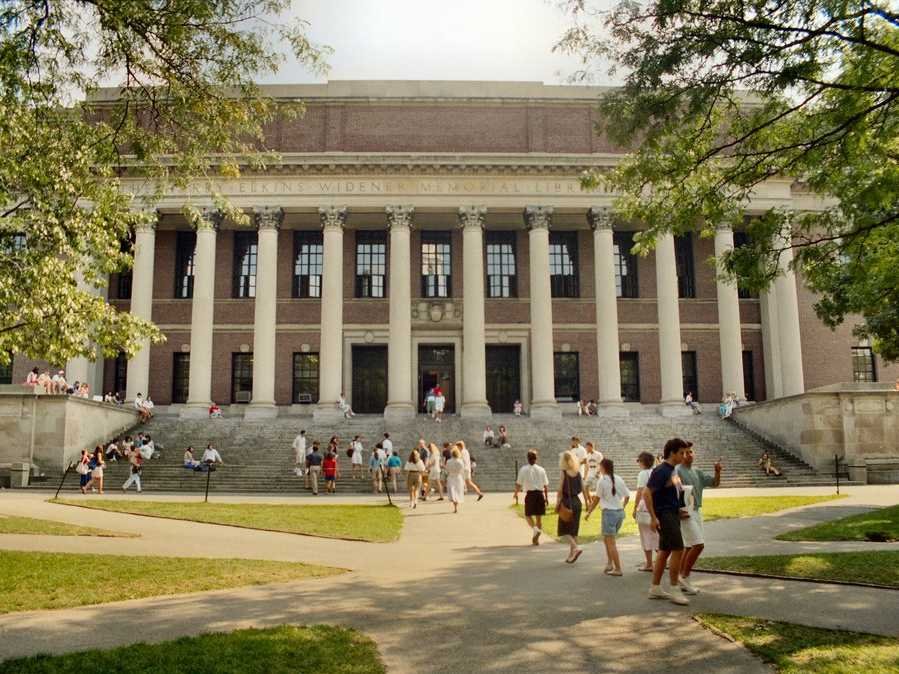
x=503, y=377
x=437, y=366
x=369, y=379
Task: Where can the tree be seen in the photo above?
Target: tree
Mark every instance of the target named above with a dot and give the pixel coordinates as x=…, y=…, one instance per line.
x=720, y=96
x=188, y=110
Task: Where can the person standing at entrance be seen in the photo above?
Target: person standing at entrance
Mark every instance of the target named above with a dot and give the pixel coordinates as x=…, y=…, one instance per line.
x=662, y=497
x=694, y=482
x=439, y=404
x=533, y=482
x=466, y=460
x=314, y=467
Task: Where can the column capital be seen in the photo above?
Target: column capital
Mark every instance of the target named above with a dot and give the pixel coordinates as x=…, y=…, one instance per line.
x=146, y=219
x=399, y=216
x=724, y=227
x=332, y=217
x=207, y=219
x=600, y=217
x=538, y=217
x=268, y=217
x=472, y=216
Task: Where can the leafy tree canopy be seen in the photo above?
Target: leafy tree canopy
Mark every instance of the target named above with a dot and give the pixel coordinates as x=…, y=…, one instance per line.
x=720, y=96
x=188, y=110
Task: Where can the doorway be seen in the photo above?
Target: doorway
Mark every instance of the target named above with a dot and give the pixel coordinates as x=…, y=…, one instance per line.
x=437, y=366
x=503, y=377
x=369, y=379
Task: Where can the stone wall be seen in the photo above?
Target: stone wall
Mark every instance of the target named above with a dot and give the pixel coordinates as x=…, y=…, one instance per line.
x=50, y=430
x=859, y=423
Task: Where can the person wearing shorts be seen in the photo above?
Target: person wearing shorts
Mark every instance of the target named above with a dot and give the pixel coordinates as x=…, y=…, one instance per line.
x=663, y=501
x=613, y=495
x=694, y=481
x=532, y=480
x=649, y=537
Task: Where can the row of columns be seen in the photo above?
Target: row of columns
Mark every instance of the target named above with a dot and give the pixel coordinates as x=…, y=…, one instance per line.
x=779, y=308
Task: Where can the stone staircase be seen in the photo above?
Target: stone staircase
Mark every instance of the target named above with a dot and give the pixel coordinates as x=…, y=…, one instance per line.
x=259, y=458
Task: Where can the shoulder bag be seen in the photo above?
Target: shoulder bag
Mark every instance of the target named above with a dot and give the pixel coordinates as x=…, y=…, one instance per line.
x=565, y=513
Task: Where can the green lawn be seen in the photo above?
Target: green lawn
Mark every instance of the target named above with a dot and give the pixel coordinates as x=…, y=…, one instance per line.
x=795, y=649
x=879, y=525
x=373, y=523
x=880, y=567
x=319, y=649
x=713, y=508
x=10, y=524
x=46, y=580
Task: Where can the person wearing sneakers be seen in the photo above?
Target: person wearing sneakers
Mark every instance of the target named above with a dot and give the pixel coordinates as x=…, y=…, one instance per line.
x=649, y=537
x=662, y=497
x=694, y=481
x=465, y=455
x=533, y=482
x=613, y=496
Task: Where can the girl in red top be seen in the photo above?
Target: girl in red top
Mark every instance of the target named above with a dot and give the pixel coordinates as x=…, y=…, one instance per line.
x=330, y=471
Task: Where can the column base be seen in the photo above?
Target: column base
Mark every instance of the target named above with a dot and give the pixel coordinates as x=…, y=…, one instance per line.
x=674, y=409
x=261, y=411
x=548, y=410
x=327, y=413
x=612, y=409
x=195, y=411
x=398, y=412
x=476, y=410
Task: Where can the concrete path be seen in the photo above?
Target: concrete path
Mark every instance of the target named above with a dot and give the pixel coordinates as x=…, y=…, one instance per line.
x=457, y=593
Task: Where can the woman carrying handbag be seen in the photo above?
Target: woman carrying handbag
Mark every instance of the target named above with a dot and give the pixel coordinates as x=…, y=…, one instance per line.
x=568, y=504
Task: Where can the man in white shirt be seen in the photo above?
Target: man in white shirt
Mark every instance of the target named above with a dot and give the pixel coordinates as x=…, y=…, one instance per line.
x=211, y=457
x=299, y=449
x=533, y=482
x=387, y=444
x=592, y=459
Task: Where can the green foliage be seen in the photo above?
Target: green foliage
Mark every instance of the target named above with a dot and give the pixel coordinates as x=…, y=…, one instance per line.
x=10, y=524
x=187, y=110
x=722, y=96
x=879, y=525
x=797, y=649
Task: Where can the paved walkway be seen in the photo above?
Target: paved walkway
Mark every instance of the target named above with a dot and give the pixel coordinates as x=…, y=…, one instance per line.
x=457, y=593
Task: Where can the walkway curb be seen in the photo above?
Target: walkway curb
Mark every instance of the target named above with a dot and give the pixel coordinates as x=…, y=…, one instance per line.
x=819, y=581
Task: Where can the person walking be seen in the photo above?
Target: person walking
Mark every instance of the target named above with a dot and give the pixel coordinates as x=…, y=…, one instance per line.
x=613, y=497
x=314, y=467
x=84, y=469
x=592, y=460
x=96, y=465
x=299, y=449
x=694, y=481
x=331, y=471
x=434, y=481
x=137, y=463
x=466, y=460
x=356, y=457
x=568, y=504
x=414, y=468
x=375, y=467
x=394, y=464
x=532, y=480
x=649, y=537
x=455, y=478
x=662, y=496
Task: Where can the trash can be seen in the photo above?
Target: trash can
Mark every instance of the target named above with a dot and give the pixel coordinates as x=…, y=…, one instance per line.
x=18, y=475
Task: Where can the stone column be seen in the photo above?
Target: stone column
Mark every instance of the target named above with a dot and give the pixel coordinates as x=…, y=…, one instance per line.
x=199, y=394
x=607, y=347
x=268, y=221
x=788, y=320
x=543, y=403
x=729, y=322
x=474, y=358
x=399, y=349
x=771, y=344
x=672, y=402
x=81, y=369
x=142, y=302
x=330, y=350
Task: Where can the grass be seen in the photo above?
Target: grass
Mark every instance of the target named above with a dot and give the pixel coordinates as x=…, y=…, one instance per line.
x=10, y=524
x=319, y=649
x=370, y=523
x=796, y=649
x=713, y=508
x=47, y=580
x=879, y=525
x=880, y=567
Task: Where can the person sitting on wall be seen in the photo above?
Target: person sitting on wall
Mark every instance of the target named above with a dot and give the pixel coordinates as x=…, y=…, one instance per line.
x=591, y=408
x=344, y=407
x=518, y=408
x=692, y=404
x=142, y=411
x=215, y=412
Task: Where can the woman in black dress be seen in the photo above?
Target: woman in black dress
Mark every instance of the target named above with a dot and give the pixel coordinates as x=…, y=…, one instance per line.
x=570, y=488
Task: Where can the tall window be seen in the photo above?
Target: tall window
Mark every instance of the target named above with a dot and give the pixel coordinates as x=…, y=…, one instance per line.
x=863, y=364
x=502, y=280
x=563, y=270
x=691, y=376
x=436, y=264
x=371, y=263
x=625, y=265
x=180, y=377
x=122, y=280
x=742, y=239
x=245, y=250
x=748, y=375
x=629, y=364
x=185, y=249
x=120, y=374
x=567, y=379
x=6, y=371
x=241, y=377
x=683, y=256
x=308, y=253
x=305, y=377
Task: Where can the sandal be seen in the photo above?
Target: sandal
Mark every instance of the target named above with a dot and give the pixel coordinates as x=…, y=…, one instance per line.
x=576, y=555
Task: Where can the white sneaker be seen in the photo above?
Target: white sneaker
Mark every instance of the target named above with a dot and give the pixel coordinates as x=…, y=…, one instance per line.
x=676, y=596
x=687, y=586
x=656, y=592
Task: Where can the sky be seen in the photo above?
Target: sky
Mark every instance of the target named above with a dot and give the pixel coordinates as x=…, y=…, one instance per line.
x=435, y=39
